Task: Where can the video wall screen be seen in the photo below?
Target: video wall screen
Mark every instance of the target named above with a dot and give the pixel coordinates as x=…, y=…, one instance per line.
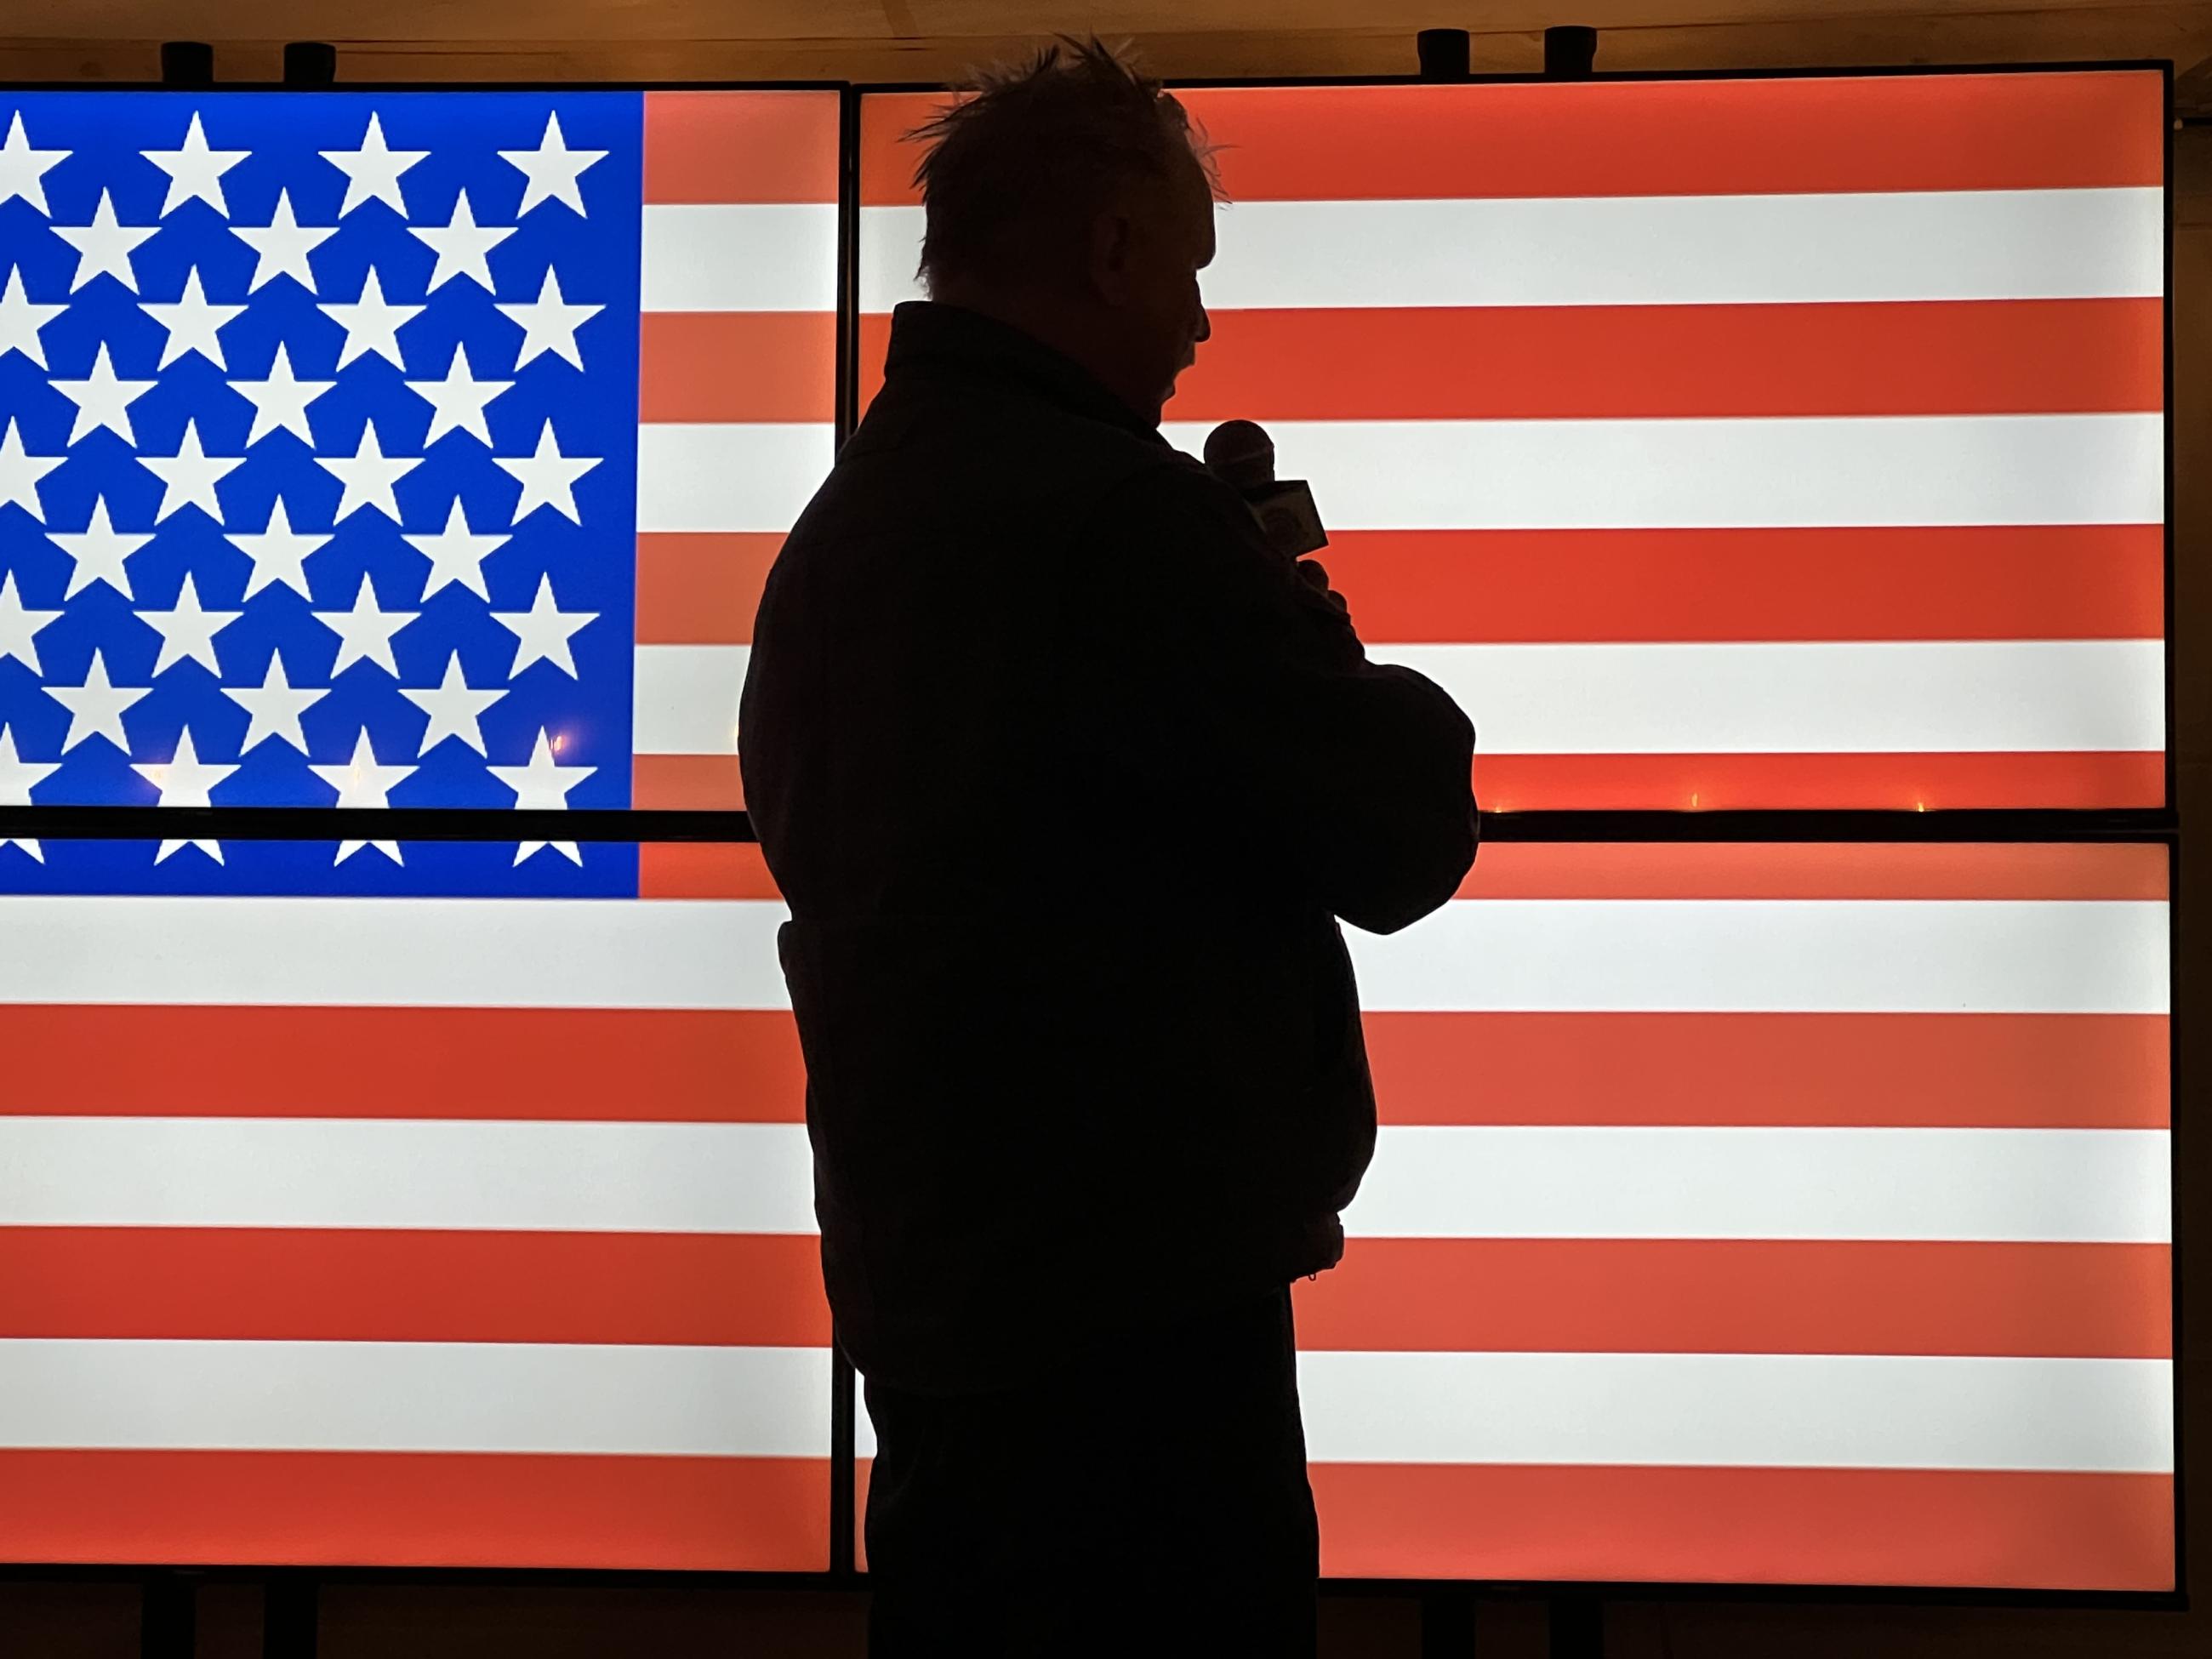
x=438, y=1210
x=355, y=447
x=1759, y=1214
x=1717, y=444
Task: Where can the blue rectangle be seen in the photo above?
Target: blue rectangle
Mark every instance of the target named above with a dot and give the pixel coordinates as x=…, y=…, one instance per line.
x=312, y=868
x=280, y=142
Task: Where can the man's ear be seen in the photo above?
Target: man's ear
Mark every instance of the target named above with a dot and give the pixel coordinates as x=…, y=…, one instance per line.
x=1113, y=233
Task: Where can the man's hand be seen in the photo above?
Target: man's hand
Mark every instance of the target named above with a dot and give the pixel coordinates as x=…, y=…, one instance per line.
x=1317, y=579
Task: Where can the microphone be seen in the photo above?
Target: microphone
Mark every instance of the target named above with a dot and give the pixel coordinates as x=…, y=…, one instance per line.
x=1242, y=455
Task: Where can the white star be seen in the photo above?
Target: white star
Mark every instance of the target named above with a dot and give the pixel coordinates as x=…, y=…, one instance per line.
x=369, y=475
x=365, y=632
x=96, y=706
x=18, y=777
x=103, y=400
x=280, y=403
x=275, y=706
x=192, y=322
x=281, y=247
x=361, y=782
x=461, y=246
x=19, y=473
x=542, y=631
x=279, y=553
x=453, y=707
x=371, y=324
x=20, y=320
x=99, y=550
x=551, y=169
x=188, y=478
x=195, y=171
x=548, y=476
x=19, y=626
x=184, y=781
x=104, y=247
x=22, y=169
x=549, y=322
x=372, y=171
x=542, y=784
x=457, y=402
x=189, y=631
x=455, y=554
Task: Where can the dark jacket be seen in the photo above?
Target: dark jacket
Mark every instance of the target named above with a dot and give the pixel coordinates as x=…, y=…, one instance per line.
x=1065, y=776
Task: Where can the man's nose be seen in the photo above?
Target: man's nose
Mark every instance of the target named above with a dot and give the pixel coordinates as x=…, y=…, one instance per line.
x=1204, y=328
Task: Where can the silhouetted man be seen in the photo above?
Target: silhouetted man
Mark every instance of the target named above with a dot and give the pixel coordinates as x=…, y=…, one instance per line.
x=1067, y=775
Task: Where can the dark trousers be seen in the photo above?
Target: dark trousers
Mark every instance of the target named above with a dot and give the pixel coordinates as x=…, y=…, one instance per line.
x=1152, y=1501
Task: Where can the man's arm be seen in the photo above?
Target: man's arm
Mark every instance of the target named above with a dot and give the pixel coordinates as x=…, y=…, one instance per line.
x=1249, y=682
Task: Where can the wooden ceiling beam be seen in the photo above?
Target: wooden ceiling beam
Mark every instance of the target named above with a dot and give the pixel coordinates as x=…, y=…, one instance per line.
x=2180, y=32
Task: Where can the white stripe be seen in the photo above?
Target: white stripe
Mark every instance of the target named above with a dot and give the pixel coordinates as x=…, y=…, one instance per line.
x=1931, y=697
x=1646, y=250
x=685, y=701
x=1731, y=473
x=377, y=952
x=474, y=1174
x=2058, y=1186
x=1775, y=956
x=752, y=256
x=618, y=1399
x=731, y=475
x=1427, y=1181
x=1805, y=1411
x=1809, y=956
x=1802, y=1411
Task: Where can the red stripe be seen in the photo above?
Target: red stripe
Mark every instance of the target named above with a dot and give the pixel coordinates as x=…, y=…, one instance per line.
x=693, y=870
x=1816, y=870
x=416, y=1509
x=702, y=783
x=701, y=588
x=1644, y=870
x=737, y=366
x=1970, y=582
x=1726, y=1296
x=2013, y=132
x=365, y=1285
x=1898, y=782
x=1525, y=362
x=721, y=1065
x=1957, y=1071
x=740, y=147
x=1994, y=1071
x=1965, y=1528
x=2013, y=1530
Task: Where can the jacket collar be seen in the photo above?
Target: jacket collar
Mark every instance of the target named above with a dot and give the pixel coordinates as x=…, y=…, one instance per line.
x=930, y=339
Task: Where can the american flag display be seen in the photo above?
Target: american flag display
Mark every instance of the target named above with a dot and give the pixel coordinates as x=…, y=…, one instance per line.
x=416, y=449
x=1751, y=443
x=461, y=1215
x=1757, y=1213
x=1781, y=1213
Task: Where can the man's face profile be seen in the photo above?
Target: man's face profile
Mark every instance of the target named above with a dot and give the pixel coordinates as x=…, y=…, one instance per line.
x=1147, y=250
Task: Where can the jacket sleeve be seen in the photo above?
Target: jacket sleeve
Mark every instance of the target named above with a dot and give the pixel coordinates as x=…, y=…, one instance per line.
x=1243, y=682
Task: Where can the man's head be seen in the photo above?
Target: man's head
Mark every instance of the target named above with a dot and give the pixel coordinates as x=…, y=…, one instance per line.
x=1070, y=198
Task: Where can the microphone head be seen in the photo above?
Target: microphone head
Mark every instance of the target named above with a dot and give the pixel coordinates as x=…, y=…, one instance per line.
x=1242, y=454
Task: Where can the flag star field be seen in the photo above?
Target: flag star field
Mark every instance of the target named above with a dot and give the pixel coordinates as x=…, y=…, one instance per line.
x=317, y=451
